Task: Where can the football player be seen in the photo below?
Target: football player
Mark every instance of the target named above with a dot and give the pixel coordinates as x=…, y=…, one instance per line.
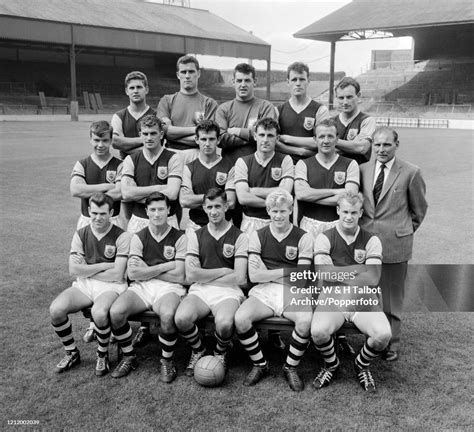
x=347, y=248
x=354, y=128
x=237, y=117
x=299, y=115
x=182, y=111
x=98, y=260
x=99, y=172
x=281, y=244
x=209, y=170
x=156, y=267
x=126, y=137
x=321, y=179
x=260, y=173
x=152, y=169
x=216, y=264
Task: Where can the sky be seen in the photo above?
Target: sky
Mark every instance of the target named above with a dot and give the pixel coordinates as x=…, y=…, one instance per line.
x=276, y=21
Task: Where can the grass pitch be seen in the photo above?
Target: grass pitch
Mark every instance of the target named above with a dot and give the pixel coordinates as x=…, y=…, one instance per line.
x=430, y=388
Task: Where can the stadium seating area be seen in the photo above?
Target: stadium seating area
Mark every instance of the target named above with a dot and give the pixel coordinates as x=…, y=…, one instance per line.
x=440, y=87
x=437, y=86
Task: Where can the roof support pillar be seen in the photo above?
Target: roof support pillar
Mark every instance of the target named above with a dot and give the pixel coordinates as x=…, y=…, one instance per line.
x=72, y=67
x=331, y=75
x=269, y=78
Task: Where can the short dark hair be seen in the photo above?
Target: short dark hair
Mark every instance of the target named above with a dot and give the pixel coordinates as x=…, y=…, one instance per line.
x=245, y=68
x=156, y=196
x=136, y=75
x=326, y=123
x=268, y=123
x=187, y=59
x=214, y=193
x=346, y=82
x=101, y=128
x=150, y=121
x=298, y=67
x=100, y=198
x=207, y=126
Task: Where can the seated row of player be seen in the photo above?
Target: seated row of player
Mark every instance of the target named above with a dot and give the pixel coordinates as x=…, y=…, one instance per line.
x=216, y=261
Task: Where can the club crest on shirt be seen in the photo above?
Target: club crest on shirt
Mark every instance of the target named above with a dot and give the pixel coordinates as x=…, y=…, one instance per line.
x=352, y=134
x=228, y=250
x=168, y=252
x=251, y=122
x=359, y=255
x=221, y=178
x=276, y=174
x=162, y=172
x=291, y=252
x=110, y=176
x=109, y=251
x=308, y=123
x=339, y=177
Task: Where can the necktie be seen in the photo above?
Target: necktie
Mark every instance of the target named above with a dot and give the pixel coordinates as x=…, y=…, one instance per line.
x=379, y=184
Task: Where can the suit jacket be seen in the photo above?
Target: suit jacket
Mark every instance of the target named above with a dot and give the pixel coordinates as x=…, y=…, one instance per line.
x=401, y=208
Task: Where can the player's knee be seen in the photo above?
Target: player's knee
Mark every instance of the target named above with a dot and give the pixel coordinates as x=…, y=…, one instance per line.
x=118, y=314
x=183, y=320
x=242, y=321
x=167, y=320
x=381, y=337
x=320, y=334
x=303, y=324
x=224, y=325
x=100, y=315
x=57, y=312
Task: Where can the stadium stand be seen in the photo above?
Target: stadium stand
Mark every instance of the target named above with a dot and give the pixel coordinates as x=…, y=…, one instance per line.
x=442, y=37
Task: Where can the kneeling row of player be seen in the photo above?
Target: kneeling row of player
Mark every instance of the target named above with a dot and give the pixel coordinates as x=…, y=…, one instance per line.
x=216, y=262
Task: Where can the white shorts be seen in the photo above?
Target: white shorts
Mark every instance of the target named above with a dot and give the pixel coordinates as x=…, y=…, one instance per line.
x=84, y=221
x=349, y=316
x=315, y=227
x=212, y=295
x=251, y=224
x=271, y=295
x=151, y=291
x=137, y=223
x=93, y=288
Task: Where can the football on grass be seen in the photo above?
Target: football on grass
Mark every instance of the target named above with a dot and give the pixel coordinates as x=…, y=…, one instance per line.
x=209, y=371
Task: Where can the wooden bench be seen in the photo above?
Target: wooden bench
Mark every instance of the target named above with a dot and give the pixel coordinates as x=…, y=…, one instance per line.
x=274, y=323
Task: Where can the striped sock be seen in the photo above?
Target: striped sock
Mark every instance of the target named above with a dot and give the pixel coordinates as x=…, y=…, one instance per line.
x=168, y=342
x=298, y=346
x=103, y=337
x=124, y=339
x=328, y=353
x=249, y=341
x=366, y=356
x=221, y=344
x=64, y=331
x=193, y=338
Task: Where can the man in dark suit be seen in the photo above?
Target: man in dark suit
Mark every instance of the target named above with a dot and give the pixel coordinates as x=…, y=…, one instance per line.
x=394, y=207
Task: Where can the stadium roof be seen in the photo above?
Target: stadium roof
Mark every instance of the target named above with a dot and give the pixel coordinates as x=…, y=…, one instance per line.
x=128, y=25
x=375, y=18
